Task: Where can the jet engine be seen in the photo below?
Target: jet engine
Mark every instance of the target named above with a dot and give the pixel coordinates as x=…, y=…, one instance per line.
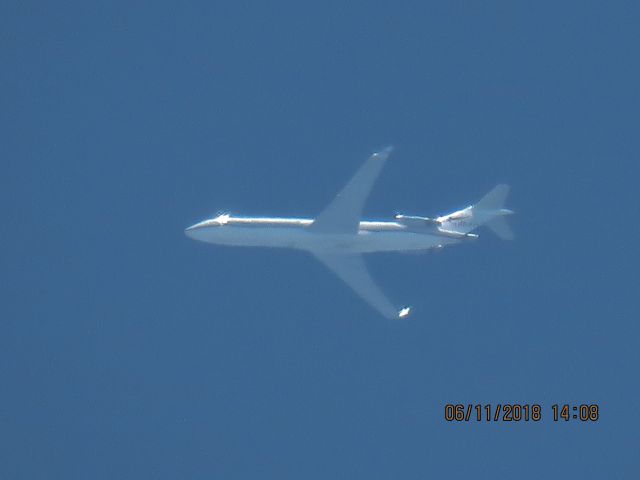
x=414, y=220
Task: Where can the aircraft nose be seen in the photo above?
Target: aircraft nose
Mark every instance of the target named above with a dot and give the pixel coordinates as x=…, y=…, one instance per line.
x=193, y=229
x=197, y=229
x=189, y=231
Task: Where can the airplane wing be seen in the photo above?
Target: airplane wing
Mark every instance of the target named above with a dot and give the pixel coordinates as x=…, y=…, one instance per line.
x=352, y=270
x=343, y=214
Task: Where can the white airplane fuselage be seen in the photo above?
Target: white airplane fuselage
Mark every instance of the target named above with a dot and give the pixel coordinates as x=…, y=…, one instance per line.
x=372, y=236
x=337, y=237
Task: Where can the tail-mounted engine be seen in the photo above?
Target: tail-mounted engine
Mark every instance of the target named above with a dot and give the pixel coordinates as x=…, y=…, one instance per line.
x=414, y=220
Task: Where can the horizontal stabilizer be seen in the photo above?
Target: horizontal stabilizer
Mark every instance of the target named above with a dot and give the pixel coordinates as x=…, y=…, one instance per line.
x=501, y=228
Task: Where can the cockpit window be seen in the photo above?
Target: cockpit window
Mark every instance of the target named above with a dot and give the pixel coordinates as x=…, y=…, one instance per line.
x=222, y=219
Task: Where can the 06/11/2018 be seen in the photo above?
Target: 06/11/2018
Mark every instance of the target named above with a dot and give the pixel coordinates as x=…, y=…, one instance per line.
x=515, y=412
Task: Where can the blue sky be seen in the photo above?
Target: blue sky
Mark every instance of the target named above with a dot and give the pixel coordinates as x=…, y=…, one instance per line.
x=129, y=351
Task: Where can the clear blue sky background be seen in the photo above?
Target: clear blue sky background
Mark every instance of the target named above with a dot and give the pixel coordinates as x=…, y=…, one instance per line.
x=129, y=351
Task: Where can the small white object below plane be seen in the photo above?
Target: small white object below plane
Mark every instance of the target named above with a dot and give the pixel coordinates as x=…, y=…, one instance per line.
x=337, y=237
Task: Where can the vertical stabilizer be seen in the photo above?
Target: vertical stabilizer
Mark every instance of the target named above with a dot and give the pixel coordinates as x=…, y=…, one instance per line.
x=494, y=200
x=488, y=211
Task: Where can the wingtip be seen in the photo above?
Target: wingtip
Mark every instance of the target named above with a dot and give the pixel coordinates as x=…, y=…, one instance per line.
x=384, y=153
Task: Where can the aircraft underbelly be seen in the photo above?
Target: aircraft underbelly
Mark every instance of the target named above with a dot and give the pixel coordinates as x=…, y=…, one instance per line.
x=300, y=238
x=253, y=236
x=369, y=242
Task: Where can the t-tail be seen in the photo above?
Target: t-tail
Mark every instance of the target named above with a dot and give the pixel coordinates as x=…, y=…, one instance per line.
x=489, y=211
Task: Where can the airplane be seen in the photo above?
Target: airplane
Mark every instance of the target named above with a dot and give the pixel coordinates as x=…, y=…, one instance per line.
x=338, y=237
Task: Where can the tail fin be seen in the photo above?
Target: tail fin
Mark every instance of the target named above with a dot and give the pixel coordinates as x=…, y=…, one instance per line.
x=494, y=200
x=491, y=208
x=488, y=211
